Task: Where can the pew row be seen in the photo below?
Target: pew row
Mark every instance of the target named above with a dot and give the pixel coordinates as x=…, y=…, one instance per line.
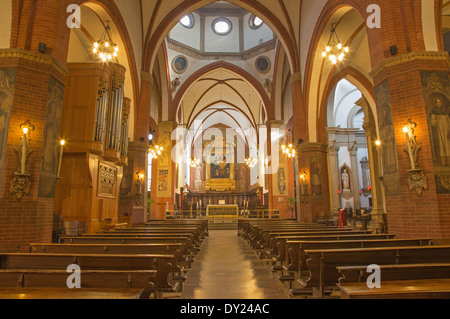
x=160, y=263
x=322, y=264
x=93, y=280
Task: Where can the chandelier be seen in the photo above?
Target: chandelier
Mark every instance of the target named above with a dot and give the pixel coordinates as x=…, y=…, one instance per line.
x=195, y=162
x=289, y=150
x=155, y=151
x=335, y=50
x=251, y=162
x=105, y=48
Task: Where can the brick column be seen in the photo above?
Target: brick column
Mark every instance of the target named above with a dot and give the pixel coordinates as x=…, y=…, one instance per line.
x=406, y=87
x=133, y=194
x=315, y=202
x=31, y=89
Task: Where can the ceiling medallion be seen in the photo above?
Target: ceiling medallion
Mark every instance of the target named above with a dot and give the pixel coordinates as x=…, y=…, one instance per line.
x=263, y=64
x=180, y=64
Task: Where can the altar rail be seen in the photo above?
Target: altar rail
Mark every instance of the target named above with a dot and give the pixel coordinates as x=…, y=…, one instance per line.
x=202, y=213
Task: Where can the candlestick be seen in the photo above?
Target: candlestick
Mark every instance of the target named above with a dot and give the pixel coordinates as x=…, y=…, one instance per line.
x=408, y=143
x=61, y=151
x=24, y=150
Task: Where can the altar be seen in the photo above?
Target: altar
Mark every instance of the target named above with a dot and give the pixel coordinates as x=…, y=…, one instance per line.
x=222, y=212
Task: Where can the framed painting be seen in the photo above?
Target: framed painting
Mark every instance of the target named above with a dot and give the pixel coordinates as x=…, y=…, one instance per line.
x=263, y=64
x=180, y=64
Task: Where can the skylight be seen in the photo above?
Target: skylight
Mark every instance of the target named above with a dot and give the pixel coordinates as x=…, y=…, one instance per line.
x=187, y=21
x=222, y=26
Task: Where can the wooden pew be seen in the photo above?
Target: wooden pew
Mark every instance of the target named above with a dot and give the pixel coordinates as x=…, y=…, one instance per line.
x=201, y=224
x=322, y=264
x=404, y=289
x=194, y=241
x=64, y=293
x=295, y=261
x=160, y=263
x=296, y=256
x=174, y=249
x=190, y=249
x=279, y=246
x=351, y=274
x=267, y=236
x=126, y=280
x=149, y=231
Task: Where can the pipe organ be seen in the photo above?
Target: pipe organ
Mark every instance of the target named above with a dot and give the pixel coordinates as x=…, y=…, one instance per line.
x=95, y=126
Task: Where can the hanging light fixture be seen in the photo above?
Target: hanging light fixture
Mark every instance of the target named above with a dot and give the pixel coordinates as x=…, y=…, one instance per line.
x=335, y=50
x=105, y=48
x=195, y=162
x=289, y=150
x=251, y=162
x=155, y=151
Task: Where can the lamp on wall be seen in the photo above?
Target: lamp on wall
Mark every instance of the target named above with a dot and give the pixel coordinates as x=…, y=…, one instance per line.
x=61, y=151
x=139, y=180
x=105, y=48
x=335, y=50
x=417, y=179
x=303, y=188
x=20, y=185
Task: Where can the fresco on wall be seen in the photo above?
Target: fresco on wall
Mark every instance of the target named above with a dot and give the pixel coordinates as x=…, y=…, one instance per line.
x=163, y=182
x=436, y=89
x=316, y=177
x=50, y=157
x=281, y=181
x=7, y=81
x=391, y=176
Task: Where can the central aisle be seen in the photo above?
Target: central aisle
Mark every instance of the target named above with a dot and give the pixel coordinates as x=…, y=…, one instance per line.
x=227, y=268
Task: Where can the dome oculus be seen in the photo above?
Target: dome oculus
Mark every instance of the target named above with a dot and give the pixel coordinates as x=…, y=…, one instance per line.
x=222, y=26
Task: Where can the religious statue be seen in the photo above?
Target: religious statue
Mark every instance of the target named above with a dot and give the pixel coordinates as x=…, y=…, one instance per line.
x=281, y=181
x=440, y=121
x=345, y=180
x=316, y=181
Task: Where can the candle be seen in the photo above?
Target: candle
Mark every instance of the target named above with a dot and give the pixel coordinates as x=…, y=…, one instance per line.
x=408, y=143
x=61, y=151
x=24, y=150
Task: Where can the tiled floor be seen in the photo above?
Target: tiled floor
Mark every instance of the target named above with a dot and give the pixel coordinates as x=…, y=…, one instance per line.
x=228, y=268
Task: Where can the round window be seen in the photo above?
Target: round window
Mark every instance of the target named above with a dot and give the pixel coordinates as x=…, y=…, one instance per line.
x=187, y=21
x=222, y=26
x=255, y=22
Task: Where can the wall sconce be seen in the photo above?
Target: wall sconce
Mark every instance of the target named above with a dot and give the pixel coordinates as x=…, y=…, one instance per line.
x=303, y=188
x=417, y=179
x=138, y=197
x=20, y=185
